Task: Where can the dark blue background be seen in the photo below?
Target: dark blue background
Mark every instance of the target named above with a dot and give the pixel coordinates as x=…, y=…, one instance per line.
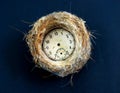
x=99, y=76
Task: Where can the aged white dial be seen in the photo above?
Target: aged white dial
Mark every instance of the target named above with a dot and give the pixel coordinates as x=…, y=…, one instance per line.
x=58, y=44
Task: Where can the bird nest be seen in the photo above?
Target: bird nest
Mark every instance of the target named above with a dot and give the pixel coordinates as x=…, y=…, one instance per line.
x=66, y=21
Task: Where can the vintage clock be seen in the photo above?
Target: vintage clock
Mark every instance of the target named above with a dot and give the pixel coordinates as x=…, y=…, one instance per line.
x=59, y=43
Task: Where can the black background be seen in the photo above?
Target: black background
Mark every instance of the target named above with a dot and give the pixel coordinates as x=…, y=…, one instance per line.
x=100, y=75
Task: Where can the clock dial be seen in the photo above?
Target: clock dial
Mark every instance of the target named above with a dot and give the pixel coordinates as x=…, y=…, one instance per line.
x=58, y=44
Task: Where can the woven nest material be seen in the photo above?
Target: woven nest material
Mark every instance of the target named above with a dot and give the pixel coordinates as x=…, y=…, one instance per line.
x=67, y=21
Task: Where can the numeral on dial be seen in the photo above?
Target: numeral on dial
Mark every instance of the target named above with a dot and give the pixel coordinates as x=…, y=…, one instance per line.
x=67, y=36
x=47, y=41
x=62, y=33
x=47, y=47
x=56, y=33
x=70, y=41
x=50, y=36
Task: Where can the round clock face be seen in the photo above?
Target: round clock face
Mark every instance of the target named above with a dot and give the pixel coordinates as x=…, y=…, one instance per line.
x=58, y=44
